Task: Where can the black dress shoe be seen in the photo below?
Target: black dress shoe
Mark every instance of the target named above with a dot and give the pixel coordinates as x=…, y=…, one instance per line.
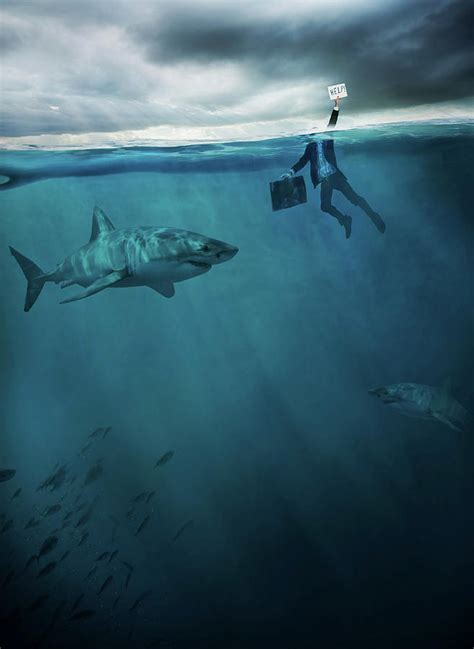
x=346, y=222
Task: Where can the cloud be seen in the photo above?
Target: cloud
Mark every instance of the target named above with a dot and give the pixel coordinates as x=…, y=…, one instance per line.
x=121, y=65
x=396, y=54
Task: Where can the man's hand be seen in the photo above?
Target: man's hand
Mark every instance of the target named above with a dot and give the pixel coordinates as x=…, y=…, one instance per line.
x=336, y=102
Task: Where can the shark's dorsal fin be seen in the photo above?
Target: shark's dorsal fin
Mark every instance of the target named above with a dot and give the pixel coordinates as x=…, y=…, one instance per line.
x=100, y=223
x=448, y=385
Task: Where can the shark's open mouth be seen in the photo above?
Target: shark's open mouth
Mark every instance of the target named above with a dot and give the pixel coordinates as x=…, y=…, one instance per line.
x=384, y=395
x=200, y=264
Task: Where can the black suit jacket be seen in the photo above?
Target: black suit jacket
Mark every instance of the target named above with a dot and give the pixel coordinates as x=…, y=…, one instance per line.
x=311, y=154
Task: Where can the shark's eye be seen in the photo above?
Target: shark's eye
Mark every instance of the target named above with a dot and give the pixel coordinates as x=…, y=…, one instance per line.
x=205, y=248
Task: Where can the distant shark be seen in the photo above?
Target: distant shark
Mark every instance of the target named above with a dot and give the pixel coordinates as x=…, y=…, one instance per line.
x=425, y=402
x=156, y=257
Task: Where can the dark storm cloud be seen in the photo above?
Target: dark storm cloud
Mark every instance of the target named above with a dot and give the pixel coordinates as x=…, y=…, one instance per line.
x=85, y=66
x=10, y=40
x=392, y=55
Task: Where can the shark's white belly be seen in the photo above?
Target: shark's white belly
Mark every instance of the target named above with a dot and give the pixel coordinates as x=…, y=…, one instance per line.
x=155, y=272
x=411, y=409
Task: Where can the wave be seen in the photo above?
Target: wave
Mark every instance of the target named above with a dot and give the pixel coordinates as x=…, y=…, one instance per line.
x=31, y=164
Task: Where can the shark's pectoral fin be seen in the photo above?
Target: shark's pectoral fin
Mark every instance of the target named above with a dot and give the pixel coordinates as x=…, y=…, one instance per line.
x=98, y=285
x=163, y=288
x=444, y=420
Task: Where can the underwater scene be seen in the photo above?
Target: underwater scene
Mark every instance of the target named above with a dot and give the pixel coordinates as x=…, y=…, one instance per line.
x=219, y=456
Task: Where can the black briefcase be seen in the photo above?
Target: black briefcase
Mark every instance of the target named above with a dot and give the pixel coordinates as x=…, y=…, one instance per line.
x=288, y=193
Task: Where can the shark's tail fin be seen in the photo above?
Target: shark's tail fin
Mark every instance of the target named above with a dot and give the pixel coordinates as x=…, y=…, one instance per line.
x=34, y=276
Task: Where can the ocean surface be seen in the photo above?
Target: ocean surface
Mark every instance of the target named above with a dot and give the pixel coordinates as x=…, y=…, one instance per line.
x=292, y=509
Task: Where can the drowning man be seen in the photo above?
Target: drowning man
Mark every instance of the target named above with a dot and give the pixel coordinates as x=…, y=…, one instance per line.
x=324, y=170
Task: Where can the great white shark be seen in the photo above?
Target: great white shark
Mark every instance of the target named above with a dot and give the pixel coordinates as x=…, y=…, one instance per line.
x=425, y=402
x=156, y=257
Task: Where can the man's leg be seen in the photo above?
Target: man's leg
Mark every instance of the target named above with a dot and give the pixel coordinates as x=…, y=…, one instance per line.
x=343, y=186
x=326, y=206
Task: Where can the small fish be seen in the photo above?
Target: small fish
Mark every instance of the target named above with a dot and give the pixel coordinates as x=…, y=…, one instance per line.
x=103, y=556
x=106, y=431
x=77, y=602
x=66, y=554
x=93, y=474
x=16, y=494
x=48, y=546
x=105, y=584
x=164, y=459
x=182, y=529
x=85, y=518
x=59, y=478
x=142, y=525
x=115, y=602
x=91, y=572
x=7, y=474
x=30, y=561
x=82, y=615
x=31, y=523
x=49, y=567
x=67, y=516
x=55, y=480
x=112, y=555
x=128, y=565
x=141, y=496
x=8, y=578
x=6, y=526
x=51, y=510
x=86, y=447
x=96, y=432
x=127, y=580
x=139, y=600
x=150, y=496
x=37, y=603
x=83, y=539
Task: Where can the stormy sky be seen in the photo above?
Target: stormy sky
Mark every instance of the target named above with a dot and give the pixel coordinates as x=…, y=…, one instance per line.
x=214, y=67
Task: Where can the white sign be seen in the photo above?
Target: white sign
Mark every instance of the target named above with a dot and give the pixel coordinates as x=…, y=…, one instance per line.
x=339, y=90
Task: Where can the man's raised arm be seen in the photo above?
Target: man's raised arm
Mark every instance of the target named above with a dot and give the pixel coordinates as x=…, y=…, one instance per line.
x=334, y=115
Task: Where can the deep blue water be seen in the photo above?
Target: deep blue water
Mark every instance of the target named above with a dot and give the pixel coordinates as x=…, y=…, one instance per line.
x=320, y=518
